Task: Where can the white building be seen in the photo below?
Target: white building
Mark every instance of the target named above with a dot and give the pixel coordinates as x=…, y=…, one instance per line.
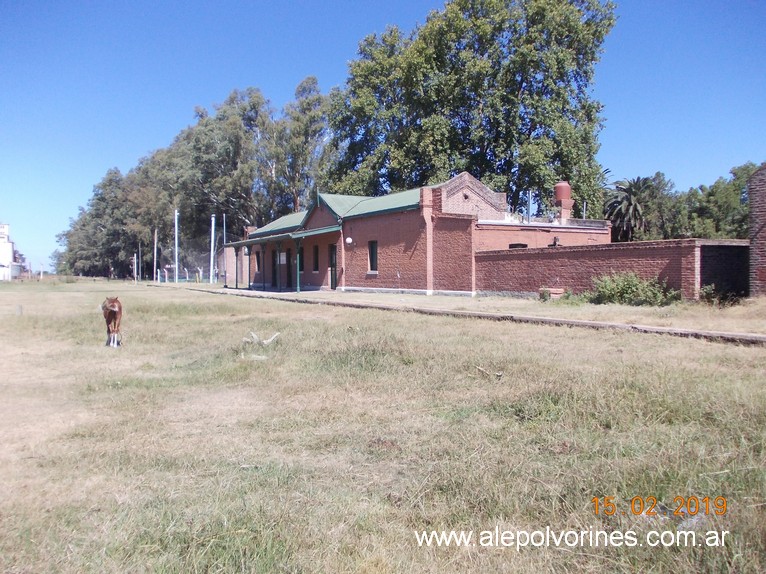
x=9, y=268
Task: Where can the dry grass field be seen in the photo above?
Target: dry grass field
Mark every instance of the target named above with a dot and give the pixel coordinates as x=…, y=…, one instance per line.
x=192, y=450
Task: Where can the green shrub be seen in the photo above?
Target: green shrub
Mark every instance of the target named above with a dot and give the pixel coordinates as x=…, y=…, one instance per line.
x=629, y=289
x=710, y=295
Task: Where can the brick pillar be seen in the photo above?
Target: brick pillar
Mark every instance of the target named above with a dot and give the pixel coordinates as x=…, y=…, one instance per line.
x=436, y=196
x=756, y=189
x=427, y=208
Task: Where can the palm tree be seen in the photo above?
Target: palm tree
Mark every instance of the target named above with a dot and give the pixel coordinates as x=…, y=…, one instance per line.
x=622, y=208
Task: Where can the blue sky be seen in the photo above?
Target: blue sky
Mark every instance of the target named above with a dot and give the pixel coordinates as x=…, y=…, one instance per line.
x=87, y=86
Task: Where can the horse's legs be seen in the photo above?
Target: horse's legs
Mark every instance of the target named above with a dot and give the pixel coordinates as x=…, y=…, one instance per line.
x=113, y=328
x=116, y=330
x=111, y=337
x=116, y=326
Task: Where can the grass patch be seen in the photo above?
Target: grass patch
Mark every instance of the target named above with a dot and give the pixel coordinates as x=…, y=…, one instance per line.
x=182, y=452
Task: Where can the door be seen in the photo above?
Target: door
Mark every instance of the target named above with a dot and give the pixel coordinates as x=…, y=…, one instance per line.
x=333, y=260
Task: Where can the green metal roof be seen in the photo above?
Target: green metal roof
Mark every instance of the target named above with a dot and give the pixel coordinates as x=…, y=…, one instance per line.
x=344, y=206
x=312, y=232
x=340, y=204
x=284, y=224
x=349, y=206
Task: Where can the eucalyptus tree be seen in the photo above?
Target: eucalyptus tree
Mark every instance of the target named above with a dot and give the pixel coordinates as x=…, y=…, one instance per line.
x=289, y=153
x=97, y=241
x=219, y=175
x=306, y=126
x=498, y=88
x=153, y=191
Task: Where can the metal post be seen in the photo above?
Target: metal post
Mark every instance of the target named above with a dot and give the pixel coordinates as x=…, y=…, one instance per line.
x=236, y=266
x=298, y=266
x=225, y=278
x=175, y=269
x=248, y=253
x=212, y=245
x=155, y=276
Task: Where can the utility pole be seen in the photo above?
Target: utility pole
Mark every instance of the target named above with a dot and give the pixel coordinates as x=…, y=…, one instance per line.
x=175, y=271
x=212, y=245
x=155, y=276
x=225, y=278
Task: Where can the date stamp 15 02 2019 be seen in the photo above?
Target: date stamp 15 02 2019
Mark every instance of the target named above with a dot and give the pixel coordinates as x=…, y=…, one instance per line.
x=683, y=506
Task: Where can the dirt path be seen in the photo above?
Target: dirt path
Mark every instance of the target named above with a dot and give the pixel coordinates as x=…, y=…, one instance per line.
x=467, y=308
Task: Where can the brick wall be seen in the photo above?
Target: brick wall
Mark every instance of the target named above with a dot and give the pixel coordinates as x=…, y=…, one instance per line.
x=232, y=267
x=490, y=237
x=321, y=277
x=756, y=187
x=453, y=253
x=527, y=270
x=401, y=251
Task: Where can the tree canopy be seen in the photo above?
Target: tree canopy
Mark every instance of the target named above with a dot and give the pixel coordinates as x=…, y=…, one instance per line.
x=650, y=208
x=498, y=88
x=624, y=210
x=240, y=161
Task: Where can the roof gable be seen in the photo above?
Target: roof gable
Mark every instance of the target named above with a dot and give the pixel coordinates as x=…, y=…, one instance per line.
x=464, y=194
x=320, y=215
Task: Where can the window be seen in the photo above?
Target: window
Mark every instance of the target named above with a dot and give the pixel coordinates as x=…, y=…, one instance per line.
x=372, y=252
x=300, y=259
x=257, y=261
x=316, y=259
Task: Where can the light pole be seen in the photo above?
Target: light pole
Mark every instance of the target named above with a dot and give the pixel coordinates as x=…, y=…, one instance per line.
x=175, y=268
x=225, y=276
x=212, y=245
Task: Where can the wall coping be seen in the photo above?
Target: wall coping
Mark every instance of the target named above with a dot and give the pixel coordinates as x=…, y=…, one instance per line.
x=659, y=244
x=547, y=226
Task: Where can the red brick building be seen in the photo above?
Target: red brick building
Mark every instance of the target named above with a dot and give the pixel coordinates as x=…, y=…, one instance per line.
x=458, y=237
x=422, y=240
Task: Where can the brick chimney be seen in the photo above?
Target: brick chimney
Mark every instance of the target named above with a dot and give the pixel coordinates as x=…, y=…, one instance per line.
x=562, y=194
